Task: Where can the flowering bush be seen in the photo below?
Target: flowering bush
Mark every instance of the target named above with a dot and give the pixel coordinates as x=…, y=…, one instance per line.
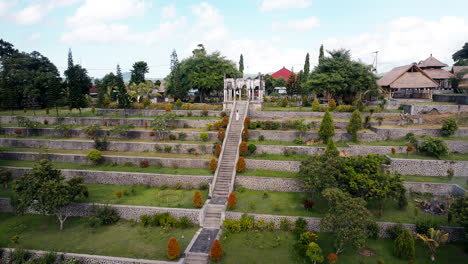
x=197, y=199
x=173, y=249
x=213, y=165
x=144, y=164
x=232, y=200
x=240, y=167
x=216, y=251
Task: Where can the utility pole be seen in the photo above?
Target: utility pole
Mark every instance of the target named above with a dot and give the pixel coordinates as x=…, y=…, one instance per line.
x=374, y=64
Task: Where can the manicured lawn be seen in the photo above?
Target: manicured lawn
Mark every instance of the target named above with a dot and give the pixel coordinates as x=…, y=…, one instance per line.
x=120, y=240
x=290, y=203
x=462, y=181
x=297, y=157
x=259, y=248
x=114, y=153
x=452, y=156
x=135, y=195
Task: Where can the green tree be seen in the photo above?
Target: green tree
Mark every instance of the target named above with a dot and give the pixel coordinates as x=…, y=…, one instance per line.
x=321, y=54
x=280, y=82
x=78, y=84
x=318, y=173
x=342, y=77
x=314, y=252
x=140, y=68
x=327, y=128
x=307, y=65
x=173, y=80
x=461, y=56
x=404, y=245
x=433, y=240
x=44, y=190
x=331, y=148
x=268, y=83
x=348, y=218
x=291, y=88
x=241, y=64
x=459, y=212
x=354, y=125
x=315, y=105
x=107, y=89
x=122, y=96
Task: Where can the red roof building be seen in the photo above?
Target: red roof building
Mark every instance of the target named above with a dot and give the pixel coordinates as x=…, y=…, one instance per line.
x=284, y=73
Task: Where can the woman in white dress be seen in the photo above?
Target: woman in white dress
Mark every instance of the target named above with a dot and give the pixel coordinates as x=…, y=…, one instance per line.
x=237, y=115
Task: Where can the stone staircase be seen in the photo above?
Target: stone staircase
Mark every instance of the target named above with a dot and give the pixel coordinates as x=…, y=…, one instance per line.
x=213, y=216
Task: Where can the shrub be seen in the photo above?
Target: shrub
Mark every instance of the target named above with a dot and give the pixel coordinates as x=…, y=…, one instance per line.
x=204, y=137
x=173, y=249
x=101, y=144
x=225, y=122
x=380, y=120
x=92, y=129
x=167, y=108
x=434, y=147
x=395, y=230
x=19, y=256
x=252, y=148
x=189, y=113
x=404, y=245
x=308, y=204
x=191, y=150
x=332, y=258
x=119, y=194
x=209, y=126
x=449, y=127
x=298, y=141
x=232, y=200
x=217, y=150
x=93, y=222
x=107, y=215
x=184, y=222
x=240, y=166
x=144, y=164
x=182, y=136
x=167, y=149
x=423, y=226
x=314, y=252
x=354, y=125
x=145, y=220
x=247, y=122
x=18, y=132
x=261, y=138
x=46, y=122
x=285, y=224
x=373, y=229
x=315, y=105
x=177, y=186
x=221, y=134
x=216, y=251
x=197, y=199
x=204, y=112
x=243, y=149
x=332, y=104
x=71, y=260
x=15, y=239
x=240, y=189
x=5, y=177
x=327, y=129
x=393, y=150
x=409, y=149
x=222, y=114
x=203, y=186
x=450, y=174
x=284, y=102
x=213, y=165
x=121, y=129
x=94, y=156
x=179, y=103
x=245, y=134
x=299, y=226
x=152, y=134
x=172, y=137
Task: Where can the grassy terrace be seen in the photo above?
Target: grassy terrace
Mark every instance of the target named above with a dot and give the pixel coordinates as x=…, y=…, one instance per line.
x=133, y=140
x=256, y=247
x=462, y=181
x=289, y=203
x=150, y=169
x=120, y=240
x=452, y=156
x=135, y=195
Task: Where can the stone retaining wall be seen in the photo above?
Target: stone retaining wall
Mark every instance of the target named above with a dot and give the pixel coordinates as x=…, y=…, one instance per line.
x=84, y=121
x=428, y=167
x=289, y=136
x=437, y=189
x=86, y=258
x=295, y=115
x=422, y=109
x=458, y=98
x=278, y=165
x=395, y=133
x=145, y=112
x=126, y=178
x=125, y=211
x=313, y=224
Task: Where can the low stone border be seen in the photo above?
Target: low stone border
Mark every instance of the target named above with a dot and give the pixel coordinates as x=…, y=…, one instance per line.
x=422, y=109
x=313, y=224
x=126, y=178
x=395, y=133
x=287, y=114
x=428, y=167
x=88, y=259
x=125, y=211
x=149, y=112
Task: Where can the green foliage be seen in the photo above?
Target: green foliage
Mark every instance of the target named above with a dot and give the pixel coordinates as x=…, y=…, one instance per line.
x=314, y=252
x=374, y=230
x=19, y=256
x=91, y=130
x=449, y=127
x=348, y=218
x=331, y=148
x=101, y=144
x=461, y=56
x=63, y=130
x=5, y=177
x=184, y=222
x=395, y=230
x=204, y=137
x=107, y=215
x=285, y=224
x=327, y=129
x=94, y=156
x=71, y=260
x=160, y=124
x=121, y=129
x=299, y=226
x=423, y=226
x=404, y=245
x=44, y=189
x=434, y=147
x=26, y=122
x=459, y=212
x=298, y=141
x=315, y=105
x=354, y=125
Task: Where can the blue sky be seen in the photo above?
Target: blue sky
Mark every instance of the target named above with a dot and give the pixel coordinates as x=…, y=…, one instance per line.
x=270, y=33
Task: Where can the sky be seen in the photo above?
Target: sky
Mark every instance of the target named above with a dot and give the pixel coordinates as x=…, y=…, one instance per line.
x=269, y=33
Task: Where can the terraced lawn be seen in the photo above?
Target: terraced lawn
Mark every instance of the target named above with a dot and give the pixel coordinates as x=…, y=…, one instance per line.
x=120, y=240
x=452, y=156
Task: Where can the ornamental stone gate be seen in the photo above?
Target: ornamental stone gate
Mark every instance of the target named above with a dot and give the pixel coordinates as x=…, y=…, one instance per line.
x=251, y=89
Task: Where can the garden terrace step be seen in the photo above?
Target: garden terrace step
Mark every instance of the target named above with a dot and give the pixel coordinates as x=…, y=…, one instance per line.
x=196, y=258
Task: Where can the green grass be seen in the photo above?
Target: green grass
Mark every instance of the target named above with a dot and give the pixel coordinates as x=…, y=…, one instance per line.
x=462, y=181
x=113, y=153
x=264, y=156
x=286, y=143
x=63, y=112
x=137, y=194
x=452, y=156
x=120, y=240
x=257, y=247
x=105, y=167
x=290, y=203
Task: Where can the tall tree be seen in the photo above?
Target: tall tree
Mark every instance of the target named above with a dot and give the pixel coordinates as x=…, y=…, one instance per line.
x=461, y=57
x=241, y=64
x=307, y=65
x=173, y=80
x=44, y=190
x=291, y=88
x=78, y=84
x=321, y=54
x=140, y=68
x=106, y=89
x=122, y=96
x=70, y=59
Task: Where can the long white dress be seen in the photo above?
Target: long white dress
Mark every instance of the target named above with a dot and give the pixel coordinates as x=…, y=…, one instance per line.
x=237, y=116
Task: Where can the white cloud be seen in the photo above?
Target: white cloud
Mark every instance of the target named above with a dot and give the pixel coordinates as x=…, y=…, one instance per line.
x=4, y=7
x=35, y=12
x=268, y=5
x=35, y=36
x=406, y=40
x=168, y=12
x=298, y=25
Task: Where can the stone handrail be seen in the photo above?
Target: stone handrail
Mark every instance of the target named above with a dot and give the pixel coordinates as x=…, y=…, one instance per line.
x=231, y=115
x=233, y=177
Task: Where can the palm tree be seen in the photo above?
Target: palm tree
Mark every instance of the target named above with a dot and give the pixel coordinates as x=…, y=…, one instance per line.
x=434, y=240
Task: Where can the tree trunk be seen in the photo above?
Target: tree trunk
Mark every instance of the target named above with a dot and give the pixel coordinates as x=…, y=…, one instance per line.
x=56, y=110
x=61, y=219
